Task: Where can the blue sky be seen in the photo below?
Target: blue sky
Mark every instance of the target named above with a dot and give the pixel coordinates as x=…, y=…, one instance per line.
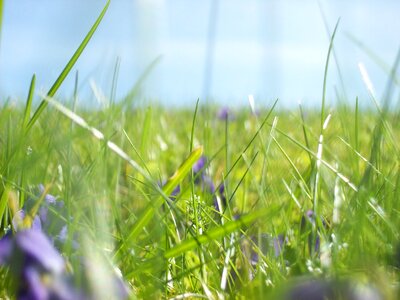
x=272, y=49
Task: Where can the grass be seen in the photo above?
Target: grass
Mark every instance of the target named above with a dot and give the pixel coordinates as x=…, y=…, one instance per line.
x=115, y=169
x=183, y=246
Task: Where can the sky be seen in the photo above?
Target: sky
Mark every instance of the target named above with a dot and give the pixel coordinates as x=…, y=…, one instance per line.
x=221, y=50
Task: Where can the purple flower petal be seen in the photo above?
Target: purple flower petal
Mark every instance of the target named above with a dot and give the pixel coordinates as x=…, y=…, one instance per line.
x=61, y=288
x=50, y=199
x=223, y=113
x=43, y=212
x=175, y=192
x=62, y=236
x=200, y=164
x=5, y=248
x=208, y=185
x=36, y=223
x=278, y=244
x=35, y=245
x=33, y=288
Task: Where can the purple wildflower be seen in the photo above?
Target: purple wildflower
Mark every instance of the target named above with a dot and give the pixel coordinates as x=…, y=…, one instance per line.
x=208, y=185
x=50, y=217
x=264, y=244
x=174, y=192
x=36, y=266
x=201, y=177
x=308, y=223
x=225, y=114
x=200, y=164
x=279, y=243
x=254, y=248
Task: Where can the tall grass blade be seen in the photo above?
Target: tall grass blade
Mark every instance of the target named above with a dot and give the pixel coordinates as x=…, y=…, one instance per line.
x=128, y=99
x=219, y=232
x=239, y=158
x=113, y=93
x=193, y=125
x=97, y=134
x=28, y=106
x=333, y=51
x=375, y=57
x=167, y=189
x=3, y=201
x=326, y=74
x=56, y=85
x=146, y=132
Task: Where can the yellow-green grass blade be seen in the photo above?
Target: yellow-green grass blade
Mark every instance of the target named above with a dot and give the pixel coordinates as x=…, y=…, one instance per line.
x=3, y=201
x=28, y=105
x=167, y=189
x=221, y=231
x=240, y=156
x=67, y=68
x=130, y=96
x=326, y=75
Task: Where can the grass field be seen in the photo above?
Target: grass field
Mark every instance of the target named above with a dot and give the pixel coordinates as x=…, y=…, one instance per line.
x=146, y=202
x=261, y=236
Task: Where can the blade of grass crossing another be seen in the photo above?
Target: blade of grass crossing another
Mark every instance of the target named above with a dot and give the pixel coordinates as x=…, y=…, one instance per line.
x=67, y=69
x=167, y=189
x=240, y=156
x=183, y=170
x=220, y=231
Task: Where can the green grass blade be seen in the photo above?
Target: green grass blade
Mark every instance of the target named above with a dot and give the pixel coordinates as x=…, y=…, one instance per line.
x=4, y=201
x=326, y=74
x=128, y=99
x=193, y=124
x=331, y=168
x=335, y=57
x=75, y=99
x=113, y=93
x=167, y=189
x=219, y=232
x=183, y=170
x=67, y=68
x=242, y=178
x=146, y=132
x=28, y=105
x=356, y=127
x=240, y=156
x=373, y=56
x=303, y=124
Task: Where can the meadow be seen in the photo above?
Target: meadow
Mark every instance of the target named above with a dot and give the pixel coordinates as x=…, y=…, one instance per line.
x=140, y=201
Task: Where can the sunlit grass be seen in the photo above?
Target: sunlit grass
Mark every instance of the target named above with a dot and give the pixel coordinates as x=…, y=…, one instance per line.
x=249, y=203
x=186, y=245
